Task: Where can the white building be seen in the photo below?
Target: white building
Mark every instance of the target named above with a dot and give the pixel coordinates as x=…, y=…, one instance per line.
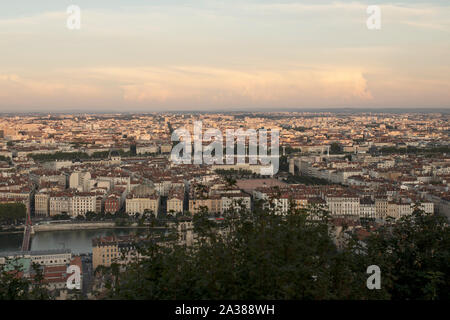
x=235, y=201
x=80, y=181
x=343, y=205
x=82, y=203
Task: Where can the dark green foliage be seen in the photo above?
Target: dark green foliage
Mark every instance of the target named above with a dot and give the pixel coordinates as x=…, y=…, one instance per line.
x=63, y=216
x=265, y=256
x=15, y=287
x=237, y=174
x=307, y=180
x=75, y=156
x=414, y=150
x=60, y=156
x=12, y=213
x=335, y=148
x=414, y=256
x=260, y=255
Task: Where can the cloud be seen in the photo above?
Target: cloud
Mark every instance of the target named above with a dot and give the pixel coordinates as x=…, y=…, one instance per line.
x=193, y=86
x=25, y=92
x=217, y=86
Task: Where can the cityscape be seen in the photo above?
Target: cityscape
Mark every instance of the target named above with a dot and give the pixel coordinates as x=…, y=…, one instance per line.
x=78, y=189
x=211, y=159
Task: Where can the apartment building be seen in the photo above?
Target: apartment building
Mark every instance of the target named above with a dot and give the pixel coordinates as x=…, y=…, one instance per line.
x=166, y=148
x=113, y=203
x=149, y=149
x=235, y=201
x=279, y=204
x=343, y=204
x=175, y=200
x=140, y=204
x=299, y=201
x=398, y=209
x=367, y=208
x=80, y=181
x=42, y=204
x=108, y=250
x=381, y=207
x=83, y=202
x=60, y=203
x=213, y=203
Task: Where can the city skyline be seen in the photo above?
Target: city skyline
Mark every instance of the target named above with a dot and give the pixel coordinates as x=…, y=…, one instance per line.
x=239, y=55
x=82, y=195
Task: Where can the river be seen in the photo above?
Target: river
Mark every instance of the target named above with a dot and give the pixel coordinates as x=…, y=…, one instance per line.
x=79, y=241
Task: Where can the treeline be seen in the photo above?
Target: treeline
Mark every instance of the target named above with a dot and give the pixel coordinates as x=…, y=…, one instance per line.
x=60, y=156
x=415, y=150
x=240, y=173
x=307, y=180
x=75, y=156
x=262, y=255
x=105, y=154
x=299, y=129
x=12, y=213
x=120, y=218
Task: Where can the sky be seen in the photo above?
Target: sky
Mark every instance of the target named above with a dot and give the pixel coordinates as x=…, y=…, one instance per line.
x=136, y=55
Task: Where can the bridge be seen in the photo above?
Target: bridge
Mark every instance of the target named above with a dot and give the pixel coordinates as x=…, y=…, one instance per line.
x=27, y=233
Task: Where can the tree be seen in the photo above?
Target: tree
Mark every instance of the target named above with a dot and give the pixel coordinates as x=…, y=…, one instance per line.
x=14, y=286
x=12, y=213
x=335, y=148
x=230, y=181
x=62, y=216
x=80, y=218
x=257, y=256
x=262, y=255
x=413, y=254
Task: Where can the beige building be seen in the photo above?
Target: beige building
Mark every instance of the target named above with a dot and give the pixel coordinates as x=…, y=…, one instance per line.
x=213, y=204
x=60, y=203
x=42, y=204
x=175, y=204
x=139, y=204
x=80, y=181
x=175, y=200
x=398, y=209
x=166, y=148
x=108, y=250
x=381, y=208
x=300, y=202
